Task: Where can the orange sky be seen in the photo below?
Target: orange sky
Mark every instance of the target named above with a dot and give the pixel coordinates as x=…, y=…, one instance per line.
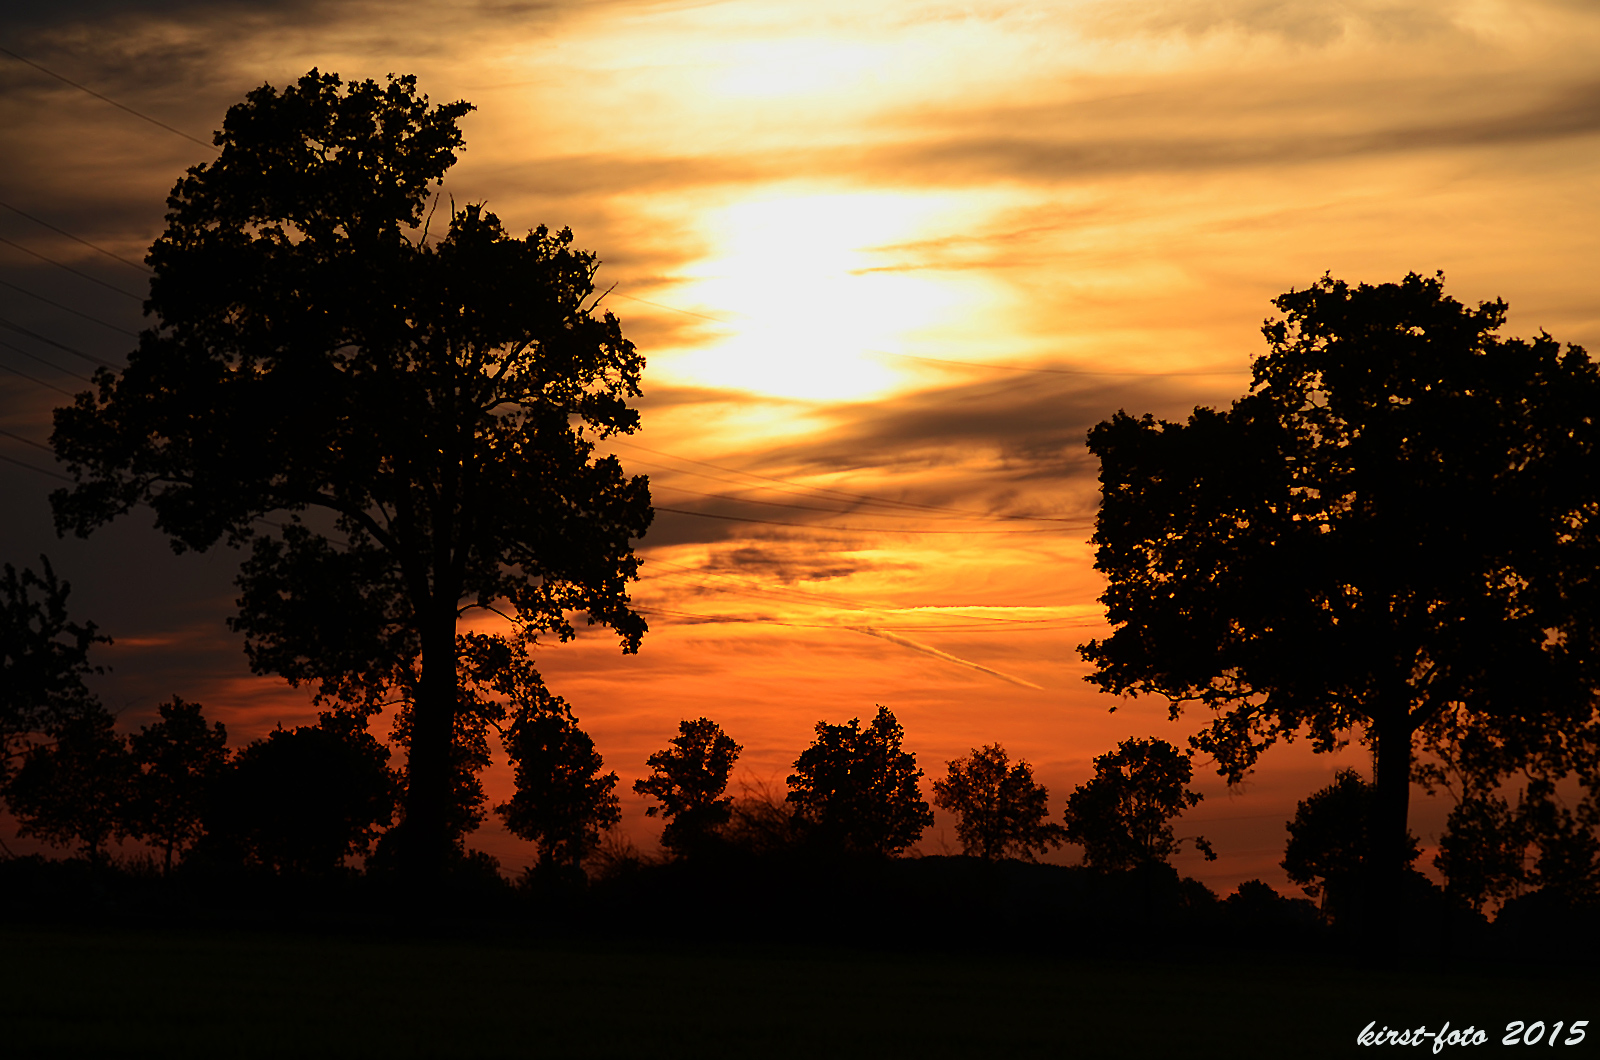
x=898, y=252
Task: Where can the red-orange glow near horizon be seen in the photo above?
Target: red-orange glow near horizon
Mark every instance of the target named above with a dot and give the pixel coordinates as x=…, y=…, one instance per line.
x=889, y=263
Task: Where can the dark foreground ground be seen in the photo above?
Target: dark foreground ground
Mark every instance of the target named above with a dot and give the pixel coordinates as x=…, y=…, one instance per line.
x=174, y=992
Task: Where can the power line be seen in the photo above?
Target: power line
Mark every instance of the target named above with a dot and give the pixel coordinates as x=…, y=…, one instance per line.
x=30, y=467
x=107, y=99
x=91, y=358
x=75, y=272
x=69, y=309
x=41, y=360
x=79, y=239
x=31, y=379
x=27, y=441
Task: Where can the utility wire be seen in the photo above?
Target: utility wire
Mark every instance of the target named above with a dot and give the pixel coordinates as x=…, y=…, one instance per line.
x=27, y=441
x=79, y=239
x=107, y=99
x=75, y=272
x=30, y=467
x=69, y=309
x=91, y=358
x=31, y=379
x=41, y=360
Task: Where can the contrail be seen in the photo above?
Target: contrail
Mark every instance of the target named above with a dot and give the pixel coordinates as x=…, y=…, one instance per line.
x=904, y=642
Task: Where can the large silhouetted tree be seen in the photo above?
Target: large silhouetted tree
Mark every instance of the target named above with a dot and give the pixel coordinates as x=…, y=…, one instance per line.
x=1122, y=815
x=44, y=658
x=422, y=410
x=1394, y=534
x=180, y=760
x=688, y=780
x=1000, y=810
x=856, y=789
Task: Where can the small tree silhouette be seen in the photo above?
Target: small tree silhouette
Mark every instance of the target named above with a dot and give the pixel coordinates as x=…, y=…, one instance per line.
x=44, y=657
x=1331, y=848
x=562, y=803
x=855, y=790
x=1120, y=817
x=688, y=780
x=180, y=760
x=1482, y=851
x=303, y=800
x=75, y=790
x=1000, y=810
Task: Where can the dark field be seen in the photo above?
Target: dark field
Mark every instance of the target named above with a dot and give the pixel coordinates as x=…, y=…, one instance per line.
x=102, y=993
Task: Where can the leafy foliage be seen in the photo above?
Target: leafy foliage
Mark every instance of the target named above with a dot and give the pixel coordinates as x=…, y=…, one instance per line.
x=1120, y=815
x=1331, y=840
x=856, y=790
x=303, y=800
x=423, y=411
x=562, y=803
x=1000, y=810
x=687, y=781
x=76, y=789
x=180, y=761
x=1393, y=534
x=44, y=658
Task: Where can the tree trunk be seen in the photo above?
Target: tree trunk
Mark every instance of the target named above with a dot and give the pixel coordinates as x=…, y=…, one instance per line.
x=426, y=842
x=1385, y=885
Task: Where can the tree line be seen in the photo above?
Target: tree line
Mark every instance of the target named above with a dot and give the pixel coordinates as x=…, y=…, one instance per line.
x=1391, y=539
x=325, y=799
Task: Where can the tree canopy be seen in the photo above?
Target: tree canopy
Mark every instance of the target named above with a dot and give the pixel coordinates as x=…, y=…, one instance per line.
x=422, y=410
x=1122, y=815
x=855, y=789
x=1000, y=810
x=1393, y=535
x=687, y=780
x=44, y=659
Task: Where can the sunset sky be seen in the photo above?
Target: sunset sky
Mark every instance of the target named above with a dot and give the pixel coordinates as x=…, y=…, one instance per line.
x=888, y=264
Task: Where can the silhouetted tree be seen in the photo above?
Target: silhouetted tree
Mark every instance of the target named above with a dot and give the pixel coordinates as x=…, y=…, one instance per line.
x=76, y=789
x=1000, y=810
x=1567, y=863
x=423, y=411
x=1482, y=852
x=562, y=803
x=856, y=790
x=44, y=658
x=1395, y=532
x=303, y=800
x=687, y=780
x=1332, y=842
x=180, y=760
x=1121, y=815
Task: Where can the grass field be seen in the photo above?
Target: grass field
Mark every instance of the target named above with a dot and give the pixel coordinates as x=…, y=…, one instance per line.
x=170, y=994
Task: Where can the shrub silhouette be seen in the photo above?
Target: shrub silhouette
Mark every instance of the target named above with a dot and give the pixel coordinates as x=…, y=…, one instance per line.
x=1120, y=816
x=1330, y=851
x=855, y=790
x=687, y=781
x=303, y=800
x=1000, y=810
